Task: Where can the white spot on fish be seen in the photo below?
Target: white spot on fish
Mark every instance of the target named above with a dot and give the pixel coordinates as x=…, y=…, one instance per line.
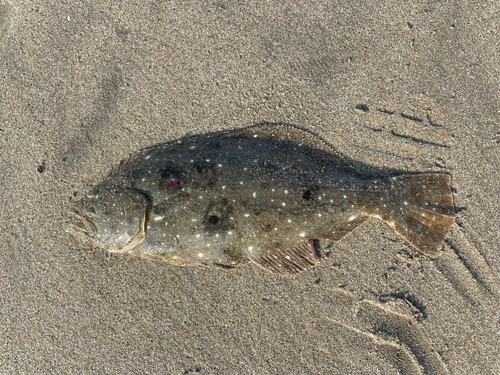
x=254, y=195
x=147, y=157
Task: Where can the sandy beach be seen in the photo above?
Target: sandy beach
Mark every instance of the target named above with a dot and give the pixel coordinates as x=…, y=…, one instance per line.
x=412, y=87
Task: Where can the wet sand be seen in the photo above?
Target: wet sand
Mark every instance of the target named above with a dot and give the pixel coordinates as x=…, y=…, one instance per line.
x=411, y=87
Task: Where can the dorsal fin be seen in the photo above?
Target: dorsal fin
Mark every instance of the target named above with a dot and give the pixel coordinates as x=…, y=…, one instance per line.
x=308, y=143
x=302, y=140
x=290, y=261
x=132, y=158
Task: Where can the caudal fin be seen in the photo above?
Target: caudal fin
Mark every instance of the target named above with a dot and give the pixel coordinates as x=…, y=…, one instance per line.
x=422, y=211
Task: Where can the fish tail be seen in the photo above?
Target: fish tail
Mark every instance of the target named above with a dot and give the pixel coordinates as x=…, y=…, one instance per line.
x=422, y=211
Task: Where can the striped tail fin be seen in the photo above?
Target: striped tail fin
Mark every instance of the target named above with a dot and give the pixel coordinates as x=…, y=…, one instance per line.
x=422, y=211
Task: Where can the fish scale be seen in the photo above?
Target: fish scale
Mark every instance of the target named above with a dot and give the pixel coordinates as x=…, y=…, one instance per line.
x=261, y=194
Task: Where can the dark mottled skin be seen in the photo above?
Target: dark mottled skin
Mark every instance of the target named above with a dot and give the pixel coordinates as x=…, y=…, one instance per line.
x=227, y=198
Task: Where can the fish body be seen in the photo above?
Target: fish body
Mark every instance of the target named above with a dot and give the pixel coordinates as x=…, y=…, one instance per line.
x=262, y=194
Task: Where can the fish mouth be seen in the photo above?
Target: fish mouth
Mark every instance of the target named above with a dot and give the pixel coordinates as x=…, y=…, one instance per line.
x=79, y=224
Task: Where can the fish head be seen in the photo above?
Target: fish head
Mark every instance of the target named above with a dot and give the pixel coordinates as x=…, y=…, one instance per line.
x=112, y=218
x=80, y=223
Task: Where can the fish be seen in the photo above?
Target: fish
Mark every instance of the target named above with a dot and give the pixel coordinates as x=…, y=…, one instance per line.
x=267, y=194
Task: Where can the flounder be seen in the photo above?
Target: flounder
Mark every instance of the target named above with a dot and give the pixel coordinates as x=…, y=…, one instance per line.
x=262, y=194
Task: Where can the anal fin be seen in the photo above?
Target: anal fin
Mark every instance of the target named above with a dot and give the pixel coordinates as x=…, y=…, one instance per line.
x=339, y=229
x=290, y=261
